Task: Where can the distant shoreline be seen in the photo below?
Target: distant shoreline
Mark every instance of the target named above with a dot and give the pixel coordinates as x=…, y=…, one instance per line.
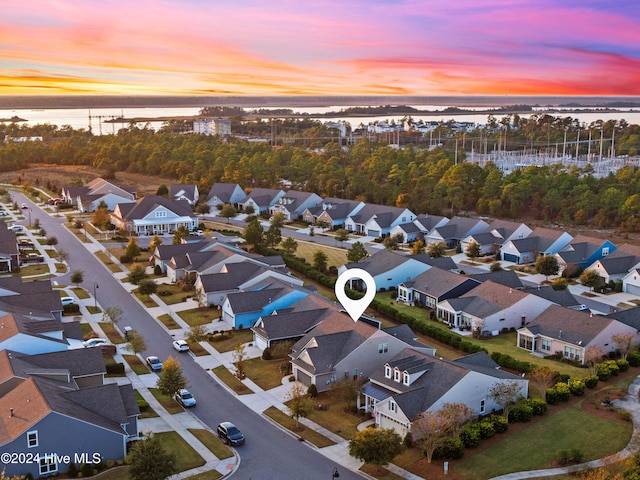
x=19, y=102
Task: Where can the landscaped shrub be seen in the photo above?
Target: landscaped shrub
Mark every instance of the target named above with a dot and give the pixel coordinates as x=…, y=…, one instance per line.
x=511, y=363
x=562, y=378
x=563, y=391
x=538, y=406
x=266, y=354
x=551, y=396
x=86, y=469
x=157, y=270
x=623, y=365
x=451, y=448
x=634, y=359
x=407, y=441
x=312, y=391
x=590, y=381
x=613, y=367
x=114, y=368
x=568, y=457
x=576, y=386
x=500, y=424
x=486, y=428
x=604, y=373
x=125, y=259
x=523, y=412
x=470, y=435
x=71, y=308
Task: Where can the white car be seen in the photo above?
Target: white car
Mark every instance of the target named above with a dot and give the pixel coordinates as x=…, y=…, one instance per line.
x=95, y=342
x=181, y=345
x=16, y=228
x=67, y=301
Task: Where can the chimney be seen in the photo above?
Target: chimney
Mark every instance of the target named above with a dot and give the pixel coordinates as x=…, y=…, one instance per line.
x=11, y=412
x=560, y=334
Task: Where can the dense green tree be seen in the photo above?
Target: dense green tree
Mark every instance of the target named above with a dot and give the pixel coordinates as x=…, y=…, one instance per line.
x=437, y=249
x=341, y=235
x=356, y=253
x=473, y=250
x=77, y=276
x=377, y=446
x=133, y=249
x=547, y=265
x=147, y=286
x=228, y=211
x=179, y=234
x=590, y=278
x=273, y=236
x=254, y=233
x=162, y=191
x=320, y=260
x=149, y=460
x=171, y=378
x=289, y=245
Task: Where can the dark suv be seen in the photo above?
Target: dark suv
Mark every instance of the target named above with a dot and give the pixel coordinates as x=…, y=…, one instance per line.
x=230, y=434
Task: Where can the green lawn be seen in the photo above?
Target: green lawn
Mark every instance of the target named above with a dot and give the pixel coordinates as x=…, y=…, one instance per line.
x=212, y=442
x=110, y=264
x=169, y=404
x=80, y=292
x=137, y=365
x=168, y=321
x=145, y=299
x=199, y=316
x=186, y=457
x=210, y=475
x=86, y=329
x=335, y=418
x=231, y=381
x=336, y=256
x=145, y=409
x=306, y=433
x=172, y=294
x=231, y=339
x=110, y=331
x=537, y=447
x=266, y=374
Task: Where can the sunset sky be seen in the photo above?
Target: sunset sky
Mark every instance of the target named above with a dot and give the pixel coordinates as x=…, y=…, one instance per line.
x=320, y=47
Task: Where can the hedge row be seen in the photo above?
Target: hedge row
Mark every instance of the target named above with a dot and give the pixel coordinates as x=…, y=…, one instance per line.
x=511, y=363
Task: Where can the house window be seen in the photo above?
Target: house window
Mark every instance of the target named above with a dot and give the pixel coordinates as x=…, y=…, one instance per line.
x=396, y=375
x=572, y=353
x=546, y=344
x=48, y=465
x=404, y=219
x=354, y=373
x=161, y=214
x=405, y=378
x=605, y=251
x=392, y=406
x=387, y=371
x=482, y=406
x=521, y=235
x=383, y=347
x=32, y=439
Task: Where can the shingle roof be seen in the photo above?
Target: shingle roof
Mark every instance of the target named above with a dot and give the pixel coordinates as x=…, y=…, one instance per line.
x=629, y=317
x=78, y=362
x=253, y=301
x=571, y=326
x=222, y=190
x=508, y=278
x=141, y=208
x=435, y=282
x=385, y=260
x=292, y=324
x=559, y=297
x=489, y=298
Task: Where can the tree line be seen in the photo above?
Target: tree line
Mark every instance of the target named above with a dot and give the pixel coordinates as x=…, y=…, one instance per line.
x=424, y=180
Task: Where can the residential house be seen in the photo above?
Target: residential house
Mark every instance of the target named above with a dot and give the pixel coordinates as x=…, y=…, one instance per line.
x=34, y=334
x=631, y=282
x=571, y=332
x=433, y=286
x=211, y=288
x=491, y=308
x=630, y=317
x=332, y=211
x=243, y=309
x=508, y=278
x=378, y=220
x=88, y=198
x=339, y=348
x=389, y=269
x=487, y=242
x=616, y=265
x=261, y=200
x=409, y=232
x=163, y=254
x=542, y=241
x=154, y=215
x=51, y=402
x=455, y=230
x=508, y=230
x=411, y=383
x=583, y=251
x=294, y=203
x=497, y=233
x=564, y=297
x=185, y=192
x=221, y=193
x=426, y=223
x=9, y=254
x=212, y=258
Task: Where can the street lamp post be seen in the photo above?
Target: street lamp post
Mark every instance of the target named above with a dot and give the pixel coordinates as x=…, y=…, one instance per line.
x=95, y=298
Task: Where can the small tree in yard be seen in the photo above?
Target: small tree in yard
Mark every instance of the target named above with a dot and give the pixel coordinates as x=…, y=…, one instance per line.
x=590, y=278
x=52, y=241
x=437, y=249
x=347, y=390
x=377, y=446
x=299, y=403
x=505, y=394
x=63, y=256
x=198, y=333
x=430, y=430
x=320, y=260
x=543, y=378
x=133, y=249
x=112, y=315
x=228, y=211
x=149, y=460
x=289, y=245
x=155, y=242
x=136, y=274
x=77, y=276
x=136, y=343
x=239, y=356
x=147, y=286
x=624, y=342
x=593, y=357
x=171, y=378
x=547, y=265
x=418, y=247
x=356, y=253
x=342, y=234
x=473, y=250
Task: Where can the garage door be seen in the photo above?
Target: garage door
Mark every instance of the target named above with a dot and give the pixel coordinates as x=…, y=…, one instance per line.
x=510, y=257
x=303, y=377
x=633, y=289
x=373, y=233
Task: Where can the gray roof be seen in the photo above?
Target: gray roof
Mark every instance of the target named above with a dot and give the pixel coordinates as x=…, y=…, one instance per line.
x=457, y=228
x=571, y=326
x=429, y=221
x=236, y=274
x=336, y=208
x=508, y=278
x=559, y=297
x=486, y=238
x=384, y=214
x=253, y=301
x=385, y=260
x=141, y=208
x=290, y=324
x=629, y=317
x=540, y=239
x=78, y=363
x=436, y=282
x=189, y=191
x=223, y=191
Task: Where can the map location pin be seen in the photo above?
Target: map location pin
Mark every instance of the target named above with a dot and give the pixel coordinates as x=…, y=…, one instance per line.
x=355, y=308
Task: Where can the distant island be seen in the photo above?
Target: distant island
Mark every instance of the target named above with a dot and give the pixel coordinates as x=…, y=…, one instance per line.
x=13, y=119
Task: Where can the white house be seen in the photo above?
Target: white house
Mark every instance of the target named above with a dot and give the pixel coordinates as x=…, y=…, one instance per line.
x=154, y=215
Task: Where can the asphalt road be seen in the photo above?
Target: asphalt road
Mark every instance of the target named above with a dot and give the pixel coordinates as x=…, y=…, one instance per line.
x=269, y=452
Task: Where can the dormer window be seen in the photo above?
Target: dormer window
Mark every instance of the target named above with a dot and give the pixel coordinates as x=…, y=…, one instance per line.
x=161, y=213
x=396, y=375
x=387, y=371
x=605, y=251
x=405, y=378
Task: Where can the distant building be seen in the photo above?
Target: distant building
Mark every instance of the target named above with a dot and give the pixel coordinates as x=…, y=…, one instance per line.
x=212, y=126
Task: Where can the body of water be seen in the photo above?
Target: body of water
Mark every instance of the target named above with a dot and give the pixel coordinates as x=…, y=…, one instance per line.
x=98, y=119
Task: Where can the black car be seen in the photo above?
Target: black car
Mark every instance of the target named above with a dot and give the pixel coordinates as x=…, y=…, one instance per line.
x=230, y=434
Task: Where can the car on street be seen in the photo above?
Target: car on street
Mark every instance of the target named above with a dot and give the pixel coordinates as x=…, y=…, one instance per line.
x=24, y=206
x=16, y=228
x=154, y=363
x=184, y=398
x=67, y=301
x=230, y=434
x=181, y=345
x=95, y=342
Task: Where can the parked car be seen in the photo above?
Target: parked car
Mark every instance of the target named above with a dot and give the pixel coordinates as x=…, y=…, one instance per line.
x=181, y=345
x=67, y=301
x=154, y=363
x=95, y=342
x=16, y=228
x=24, y=206
x=184, y=398
x=230, y=434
